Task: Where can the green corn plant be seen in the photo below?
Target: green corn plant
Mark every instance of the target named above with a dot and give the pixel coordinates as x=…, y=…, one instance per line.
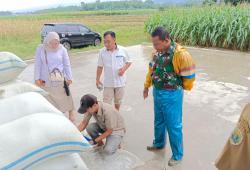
x=210, y=26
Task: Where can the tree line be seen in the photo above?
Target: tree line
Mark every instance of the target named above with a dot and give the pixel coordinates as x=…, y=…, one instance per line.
x=233, y=2
x=124, y=4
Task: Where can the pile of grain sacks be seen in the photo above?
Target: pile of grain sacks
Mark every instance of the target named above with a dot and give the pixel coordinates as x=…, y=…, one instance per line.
x=34, y=134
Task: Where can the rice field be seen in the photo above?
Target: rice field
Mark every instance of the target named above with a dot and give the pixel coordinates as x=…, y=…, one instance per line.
x=212, y=26
x=21, y=34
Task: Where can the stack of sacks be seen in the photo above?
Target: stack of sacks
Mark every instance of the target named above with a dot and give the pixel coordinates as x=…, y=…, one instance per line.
x=39, y=137
x=36, y=132
x=33, y=130
x=11, y=67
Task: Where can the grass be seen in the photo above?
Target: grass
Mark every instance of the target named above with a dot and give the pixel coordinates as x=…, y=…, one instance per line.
x=211, y=26
x=21, y=34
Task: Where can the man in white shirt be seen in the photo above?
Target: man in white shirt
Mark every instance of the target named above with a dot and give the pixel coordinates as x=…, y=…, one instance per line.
x=115, y=61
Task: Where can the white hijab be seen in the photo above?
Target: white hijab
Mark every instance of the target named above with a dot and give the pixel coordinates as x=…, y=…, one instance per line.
x=50, y=37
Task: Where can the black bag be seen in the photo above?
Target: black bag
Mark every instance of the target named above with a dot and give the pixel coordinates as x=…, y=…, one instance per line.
x=66, y=87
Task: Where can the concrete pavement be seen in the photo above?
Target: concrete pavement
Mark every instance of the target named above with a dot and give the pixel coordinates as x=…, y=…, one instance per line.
x=210, y=110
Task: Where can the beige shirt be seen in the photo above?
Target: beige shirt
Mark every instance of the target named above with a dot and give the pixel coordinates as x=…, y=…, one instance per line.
x=236, y=153
x=108, y=117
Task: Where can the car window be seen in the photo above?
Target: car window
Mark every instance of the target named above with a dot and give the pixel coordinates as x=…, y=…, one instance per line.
x=73, y=28
x=61, y=28
x=83, y=29
x=47, y=28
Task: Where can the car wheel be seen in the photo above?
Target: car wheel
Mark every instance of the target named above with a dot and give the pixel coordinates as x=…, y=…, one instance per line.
x=67, y=45
x=97, y=42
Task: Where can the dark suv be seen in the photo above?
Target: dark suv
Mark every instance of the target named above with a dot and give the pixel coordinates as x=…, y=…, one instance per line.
x=72, y=35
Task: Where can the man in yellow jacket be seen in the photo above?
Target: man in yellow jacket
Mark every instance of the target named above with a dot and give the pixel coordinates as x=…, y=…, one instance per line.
x=170, y=71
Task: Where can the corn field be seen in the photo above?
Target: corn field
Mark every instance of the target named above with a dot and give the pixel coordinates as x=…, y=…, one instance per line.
x=213, y=26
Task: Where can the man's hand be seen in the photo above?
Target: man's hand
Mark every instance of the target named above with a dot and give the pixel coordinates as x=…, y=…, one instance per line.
x=91, y=142
x=121, y=71
x=98, y=84
x=124, y=69
x=104, y=135
x=99, y=143
x=145, y=93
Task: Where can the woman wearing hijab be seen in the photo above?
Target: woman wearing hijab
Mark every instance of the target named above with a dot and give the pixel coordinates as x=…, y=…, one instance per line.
x=53, y=73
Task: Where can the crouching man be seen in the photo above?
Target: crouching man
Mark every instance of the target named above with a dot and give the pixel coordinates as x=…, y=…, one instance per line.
x=109, y=123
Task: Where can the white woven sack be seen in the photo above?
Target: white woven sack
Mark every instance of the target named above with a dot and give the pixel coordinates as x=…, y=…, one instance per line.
x=30, y=139
x=67, y=162
x=10, y=66
x=16, y=107
x=16, y=87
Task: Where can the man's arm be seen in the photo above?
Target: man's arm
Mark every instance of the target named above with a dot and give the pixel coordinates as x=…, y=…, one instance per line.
x=82, y=126
x=127, y=65
x=184, y=65
x=104, y=135
x=147, y=83
x=124, y=68
x=100, y=65
x=98, y=75
x=148, y=80
x=127, y=61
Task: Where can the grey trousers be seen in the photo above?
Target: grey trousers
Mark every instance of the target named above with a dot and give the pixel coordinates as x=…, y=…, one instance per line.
x=112, y=141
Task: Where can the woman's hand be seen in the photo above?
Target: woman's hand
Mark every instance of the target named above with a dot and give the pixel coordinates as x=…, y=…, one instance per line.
x=39, y=83
x=69, y=82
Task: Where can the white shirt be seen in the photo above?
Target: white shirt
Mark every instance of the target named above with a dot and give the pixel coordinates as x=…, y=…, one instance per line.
x=112, y=62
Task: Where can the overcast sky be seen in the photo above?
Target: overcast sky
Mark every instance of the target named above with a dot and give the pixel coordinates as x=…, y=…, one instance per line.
x=16, y=5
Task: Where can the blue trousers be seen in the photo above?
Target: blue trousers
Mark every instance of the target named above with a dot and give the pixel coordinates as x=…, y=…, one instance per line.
x=168, y=119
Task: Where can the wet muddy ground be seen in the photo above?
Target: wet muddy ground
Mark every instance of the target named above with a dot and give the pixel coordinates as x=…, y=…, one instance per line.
x=211, y=109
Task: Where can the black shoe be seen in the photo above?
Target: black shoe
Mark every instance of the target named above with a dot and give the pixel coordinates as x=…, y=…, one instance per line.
x=154, y=148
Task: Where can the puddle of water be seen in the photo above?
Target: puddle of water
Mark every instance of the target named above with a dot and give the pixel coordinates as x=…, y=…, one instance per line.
x=122, y=160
